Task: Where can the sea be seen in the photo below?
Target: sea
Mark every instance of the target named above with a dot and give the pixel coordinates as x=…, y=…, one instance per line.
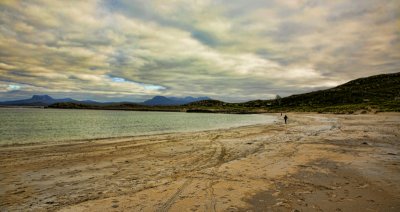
x=36, y=125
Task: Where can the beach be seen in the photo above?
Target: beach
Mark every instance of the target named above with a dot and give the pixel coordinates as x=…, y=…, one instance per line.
x=317, y=162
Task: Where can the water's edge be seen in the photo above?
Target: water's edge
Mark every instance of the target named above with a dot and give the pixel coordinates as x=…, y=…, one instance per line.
x=30, y=126
x=88, y=140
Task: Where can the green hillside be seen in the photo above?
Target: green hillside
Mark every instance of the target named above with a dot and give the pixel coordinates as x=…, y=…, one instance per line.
x=374, y=89
x=375, y=93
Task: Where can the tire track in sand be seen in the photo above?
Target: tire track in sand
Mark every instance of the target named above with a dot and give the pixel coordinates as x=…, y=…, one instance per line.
x=220, y=159
x=165, y=207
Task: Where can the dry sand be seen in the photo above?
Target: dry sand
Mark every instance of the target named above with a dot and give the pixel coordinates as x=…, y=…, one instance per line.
x=315, y=163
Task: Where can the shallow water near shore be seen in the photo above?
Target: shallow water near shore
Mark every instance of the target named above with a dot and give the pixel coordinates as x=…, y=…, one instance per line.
x=32, y=125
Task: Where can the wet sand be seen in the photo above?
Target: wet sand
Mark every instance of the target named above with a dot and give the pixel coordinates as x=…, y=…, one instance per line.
x=315, y=163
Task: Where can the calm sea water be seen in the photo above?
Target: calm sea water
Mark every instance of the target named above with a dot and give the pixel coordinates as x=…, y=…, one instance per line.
x=30, y=125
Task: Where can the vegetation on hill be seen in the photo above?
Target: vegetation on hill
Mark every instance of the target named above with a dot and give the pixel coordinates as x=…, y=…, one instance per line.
x=375, y=93
x=375, y=89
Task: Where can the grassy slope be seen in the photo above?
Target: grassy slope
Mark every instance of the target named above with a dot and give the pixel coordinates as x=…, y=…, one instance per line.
x=379, y=93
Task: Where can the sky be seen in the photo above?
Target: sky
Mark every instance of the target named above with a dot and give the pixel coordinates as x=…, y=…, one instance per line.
x=231, y=50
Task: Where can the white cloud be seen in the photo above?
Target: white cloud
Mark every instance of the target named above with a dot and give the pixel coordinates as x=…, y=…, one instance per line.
x=230, y=50
x=13, y=87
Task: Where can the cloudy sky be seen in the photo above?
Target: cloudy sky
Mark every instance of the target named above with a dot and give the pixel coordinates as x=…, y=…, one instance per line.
x=232, y=50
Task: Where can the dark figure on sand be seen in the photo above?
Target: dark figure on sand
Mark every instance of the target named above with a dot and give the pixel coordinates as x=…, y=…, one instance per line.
x=286, y=118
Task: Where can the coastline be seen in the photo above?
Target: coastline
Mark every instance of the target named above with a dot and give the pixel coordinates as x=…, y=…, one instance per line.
x=118, y=139
x=316, y=162
x=37, y=126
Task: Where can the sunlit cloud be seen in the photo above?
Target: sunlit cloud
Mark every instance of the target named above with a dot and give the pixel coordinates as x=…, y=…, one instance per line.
x=142, y=85
x=13, y=87
x=229, y=50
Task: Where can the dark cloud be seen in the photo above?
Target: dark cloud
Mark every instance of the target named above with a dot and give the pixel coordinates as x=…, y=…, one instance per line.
x=229, y=50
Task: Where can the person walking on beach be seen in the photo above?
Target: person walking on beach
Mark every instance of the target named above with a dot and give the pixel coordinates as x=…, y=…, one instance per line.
x=286, y=118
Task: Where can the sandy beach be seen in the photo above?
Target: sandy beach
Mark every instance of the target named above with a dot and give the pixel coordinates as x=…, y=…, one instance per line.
x=315, y=163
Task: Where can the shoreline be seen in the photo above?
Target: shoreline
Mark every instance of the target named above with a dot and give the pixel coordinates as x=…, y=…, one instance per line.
x=273, y=116
x=85, y=140
x=236, y=111
x=115, y=139
x=316, y=162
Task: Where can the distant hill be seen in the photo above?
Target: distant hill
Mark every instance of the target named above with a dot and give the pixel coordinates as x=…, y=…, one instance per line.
x=379, y=90
x=376, y=89
x=46, y=100
x=207, y=103
x=37, y=100
x=375, y=93
x=172, y=101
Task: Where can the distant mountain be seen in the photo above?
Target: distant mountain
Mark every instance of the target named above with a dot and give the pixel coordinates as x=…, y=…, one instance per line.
x=158, y=100
x=375, y=93
x=37, y=100
x=172, y=101
x=46, y=100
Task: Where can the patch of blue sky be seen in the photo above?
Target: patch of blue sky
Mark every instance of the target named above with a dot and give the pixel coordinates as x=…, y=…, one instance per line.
x=144, y=85
x=14, y=87
x=153, y=87
x=118, y=79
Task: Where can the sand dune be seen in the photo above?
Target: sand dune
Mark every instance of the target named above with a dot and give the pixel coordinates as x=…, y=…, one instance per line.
x=315, y=163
